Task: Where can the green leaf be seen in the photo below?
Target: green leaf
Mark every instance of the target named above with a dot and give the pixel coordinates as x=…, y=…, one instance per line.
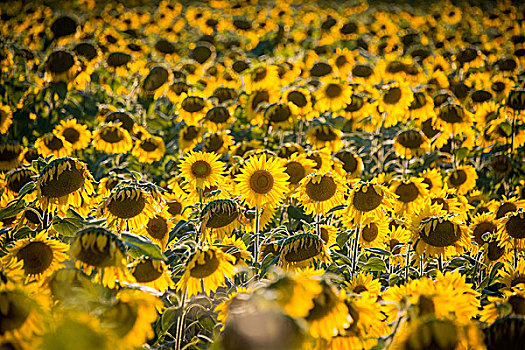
x=375, y=264
x=169, y=317
x=23, y=232
x=494, y=271
x=13, y=209
x=393, y=279
x=342, y=238
x=142, y=243
x=70, y=224
x=378, y=251
x=461, y=153
x=26, y=189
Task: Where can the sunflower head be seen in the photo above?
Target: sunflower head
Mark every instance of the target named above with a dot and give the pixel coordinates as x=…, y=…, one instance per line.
x=301, y=249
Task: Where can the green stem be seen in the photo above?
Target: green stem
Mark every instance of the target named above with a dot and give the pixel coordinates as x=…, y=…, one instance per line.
x=256, y=242
x=356, y=247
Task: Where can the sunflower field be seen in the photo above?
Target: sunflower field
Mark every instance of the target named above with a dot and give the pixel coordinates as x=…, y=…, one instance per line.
x=273, y=174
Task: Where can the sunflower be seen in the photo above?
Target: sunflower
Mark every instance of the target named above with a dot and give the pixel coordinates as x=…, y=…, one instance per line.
x=511, y=230
x=64, y=182
x=221, y=216
x=325, y=136
x=192, y=107
x=432, y=178
x=76, y=134
x=189, y=137
x=301, y=250
x=128, y=207
x=16, y=179
x=6, y=118
x=112, y=138
x=296, y=291
x=267, y=212
x=279, y=115
x=130, y=317
x=149, y=148
x=453, y=119
x=158, y=228
x=505, y=206
x=328, y=234
x=10, y=155
x=410, y=194
x=374, y=231
x=299, y=100
x=236, y=247
x=362, y=283
x=351, y=162
x=208, y=268
x=320, y=192
x=463, y=179
x=436, y=232
x=297, y=167
x=262, y=181
x=329, y=315
x=399, y=236
x=53, y=144
x=368, y=199
x=260, y=77
x=202, y=169
x=218, y=142
x=411, y=143
x=483, y=228
x=395, y=100
x=451, y=202
x=41, y=256
x=96, y=248
x=151, y=273
x=332, y=96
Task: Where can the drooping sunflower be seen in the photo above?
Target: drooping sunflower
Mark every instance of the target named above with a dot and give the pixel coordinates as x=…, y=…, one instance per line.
x=505, y=206
x=158, y=228
x=209, y=267
x=411, y=143
x=16, y=179
x=453, y=119
x=96, y=248
x=149, y=148
x=10, y=155
x=301, y=250
x=218, y=142
x=368, y=199
x=221, y=217
x=262, y=181
x=189, y=137
x=511, y=230
x=202, y=169
x=78, y=135
x=351, y=162
x=112, y=138
x=64, y=182
x=151, y=273
x=128, y=207
x=332, y=96
x=435, y=232
x=463, y=179
x=499, y=309
x=6, y=118
x=320, y=192
x=130, y=317
x=53, y=144
x=325, y=136
x=410, y=194
x=192, y=107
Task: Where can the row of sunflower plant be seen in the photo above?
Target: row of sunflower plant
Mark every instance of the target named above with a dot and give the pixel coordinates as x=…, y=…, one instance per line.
x=262, y=175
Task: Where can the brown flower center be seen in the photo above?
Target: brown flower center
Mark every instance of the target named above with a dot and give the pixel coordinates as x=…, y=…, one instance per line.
x=297, y=98
x=367, y=199
x=54, y=143
x=322, y=190
x=362, y=71
x=410, y=139
x=451, y=113
x=67, y=182
x=174, y=207
x=219, y=114
x=193, y=104
x=370, y=232
x=111, y=135
x=407, y=192
x=14, y=312
x=148, y=146
x=201, y=169
x=209, y=266
x=37, y=257
x=145, y=272
x=325, y=134
x=296, y=171
x=495, y=251
x=392, y=95
x=440, y=234
x=458, y=178
x=505, y=208
x=20, y=177
x=261, y=182
x=515, y=226
x=126, y=208
x=157, y=227
x=481, y=229
x=213, y=143
x=71, y=135
x=333, y=91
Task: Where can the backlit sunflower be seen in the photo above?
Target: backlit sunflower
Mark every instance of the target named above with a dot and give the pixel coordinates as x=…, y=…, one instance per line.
x=98, y=249
x=76, y=134
x=149, y=148
x=158, y=228
x=374, y=231
x=6, y=118
x=189, y=137
x=432, y=178
x=130, y=317
x=320, y=192
x=262, y=181
x=410, y=194
x=332, y=96
x=411, y=143
x=128, y=207
x=505, y=206
x=395, y=100
x=151, y=273
x=328, y=234
x=351, y=162
x=297, y=167
x=325, y=136
x=511, y=230
x=453, y=119
x=208, y=268
x=53, y=144
x=483, y=228
x=64, y=182
x=463, y=179
x=221, y=217
x=112, y=138
x=368, y=199
x=15, y=179
x=202, y=169
x=301, y=250
x=435, y=232
x=10, y=155
x=41, y=256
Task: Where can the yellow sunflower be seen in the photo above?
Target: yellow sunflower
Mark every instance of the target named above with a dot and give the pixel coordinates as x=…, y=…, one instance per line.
x=221, y=217
x=149, y=148
x=192, y=107
x=364, y=283
x=501, y=308
x=297, y=167
x=76, y=134
x=332, y=96
x=410, y=194
x=506, y=205
x=325, y=136
x=10, y=155
x=189, y=137
x=208, y=268
x=463, y=179
x=15, y=179
x=130, y=317
x=411, y=143
x=96, y=248
x=299, y=100
x=374, y=231
x=351, y=162
x=218, y=142
x=151, y=273
x=112, y=138
x=453, y=119
x=320, y=192
x=368, y=199
x=6, y=118
x=202, y=169
x=262, y=181
x=395, y=100
x=53, y=144
x=301, y=250
x=64, y=182
x=511, y=230
x=432, y=178
x=41, y=256
x=158, y=228
x=235, y=247
x=128, y=207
